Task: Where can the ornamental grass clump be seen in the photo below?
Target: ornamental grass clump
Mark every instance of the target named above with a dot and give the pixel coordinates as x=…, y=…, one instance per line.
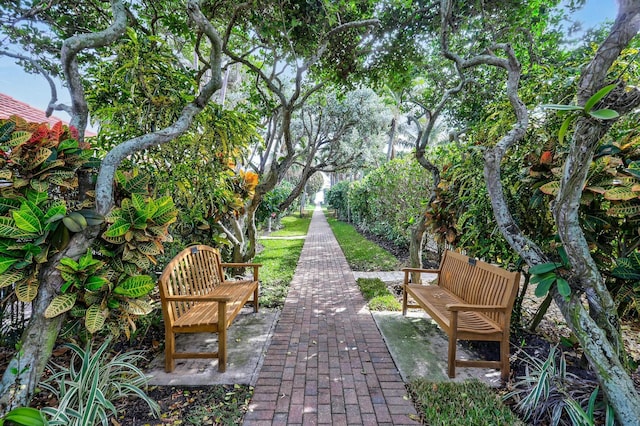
x=88, y=389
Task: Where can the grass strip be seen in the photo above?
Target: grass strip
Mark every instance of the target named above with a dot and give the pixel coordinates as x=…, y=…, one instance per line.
x=362, y=254
x=293, y=226
x=460, y=404
x=376, y=292
x=279, y=258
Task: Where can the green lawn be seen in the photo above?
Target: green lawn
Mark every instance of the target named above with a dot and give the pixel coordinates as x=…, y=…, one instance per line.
x=362, y=254
x=279, y=258
x=293, y=226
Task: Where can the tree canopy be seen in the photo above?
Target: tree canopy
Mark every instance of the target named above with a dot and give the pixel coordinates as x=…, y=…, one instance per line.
x=219, y=100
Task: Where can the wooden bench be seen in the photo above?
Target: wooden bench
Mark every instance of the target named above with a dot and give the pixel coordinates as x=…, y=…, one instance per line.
x=471, y=301
x=196, y=297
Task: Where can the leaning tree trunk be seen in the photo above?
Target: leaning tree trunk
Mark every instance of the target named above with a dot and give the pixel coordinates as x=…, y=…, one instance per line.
x=26, y=367
x=36, y=345
x=415, y=246
x=596, y=330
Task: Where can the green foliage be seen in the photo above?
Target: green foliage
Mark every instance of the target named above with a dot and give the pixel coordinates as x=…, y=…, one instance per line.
x=608, y=210
x=548, y=391
x=586, y=417
x=87, y=389
x=587, y=110
x=459, y=404
x=271, y=200
x=378, y=296
x=546, y=275
x=362, y=254
x=337, y=198
x=38, y=175
x=204, y=179
x=138, y=90
x=109, y=285
x=40, y=210
x=373, y=202
x=461, y=214
x=24, y=416
x=627, y=292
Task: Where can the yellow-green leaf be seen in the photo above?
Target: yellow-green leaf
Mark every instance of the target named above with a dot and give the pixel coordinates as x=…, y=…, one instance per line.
x=18, y=138
x=94, y=318
x=60, y=304
x=26, y=221
x=150, y=248
x=6, y=262
x=624, y=210
x=39, y=185
x=41, y=157
x=551, y=188
x=117, y=229
x=10, y=278
x=138, y=307
x=26, y=292
x=620, y=193
x=135, y=287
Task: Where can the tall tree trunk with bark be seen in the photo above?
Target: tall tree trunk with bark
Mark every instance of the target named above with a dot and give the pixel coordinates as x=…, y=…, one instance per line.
x=596, y=328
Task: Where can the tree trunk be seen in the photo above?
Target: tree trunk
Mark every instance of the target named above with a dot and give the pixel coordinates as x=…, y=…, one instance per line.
x=392, y=137
x=415, y=246
x=38, y=339
x=604, y=358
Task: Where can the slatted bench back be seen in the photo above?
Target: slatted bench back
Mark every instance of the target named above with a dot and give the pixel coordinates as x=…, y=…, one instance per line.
x=479, y=283
x=195, y=271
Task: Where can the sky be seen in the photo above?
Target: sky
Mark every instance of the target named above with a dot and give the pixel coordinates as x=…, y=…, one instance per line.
x=34, y=90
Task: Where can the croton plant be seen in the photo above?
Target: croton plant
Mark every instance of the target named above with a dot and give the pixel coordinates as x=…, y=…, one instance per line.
x=41, y=207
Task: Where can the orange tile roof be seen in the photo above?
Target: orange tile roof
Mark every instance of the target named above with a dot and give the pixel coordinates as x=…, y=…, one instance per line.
x=10, y=106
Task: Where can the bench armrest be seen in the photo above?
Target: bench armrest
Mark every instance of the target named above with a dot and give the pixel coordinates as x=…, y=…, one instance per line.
x=408, y=271
x=461, y=307
x=205, y=298
x=255, y=267
x=430, y=271
x=240, y=265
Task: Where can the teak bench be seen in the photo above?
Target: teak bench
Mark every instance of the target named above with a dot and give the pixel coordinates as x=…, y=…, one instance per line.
x=196, y=297
x=471, y=301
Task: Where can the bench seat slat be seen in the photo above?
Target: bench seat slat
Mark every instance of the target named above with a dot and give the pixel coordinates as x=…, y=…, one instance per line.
x=434, y=300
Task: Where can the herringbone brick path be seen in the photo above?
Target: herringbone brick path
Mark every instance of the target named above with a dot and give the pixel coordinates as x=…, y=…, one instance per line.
x=327, y=362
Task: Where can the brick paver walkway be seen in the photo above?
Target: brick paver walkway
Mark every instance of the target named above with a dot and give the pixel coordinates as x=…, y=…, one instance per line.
x=327, y=362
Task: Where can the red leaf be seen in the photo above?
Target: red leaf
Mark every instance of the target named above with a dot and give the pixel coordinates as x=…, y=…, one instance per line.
x=56, y=132
x=546, y=157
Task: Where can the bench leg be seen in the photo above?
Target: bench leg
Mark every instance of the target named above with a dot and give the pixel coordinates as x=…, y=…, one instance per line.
x=222, y=337
x=504, y=359
x=255, y=300
x=404, y=300
x=453, y=340
x=169, y=350
x=222, y=349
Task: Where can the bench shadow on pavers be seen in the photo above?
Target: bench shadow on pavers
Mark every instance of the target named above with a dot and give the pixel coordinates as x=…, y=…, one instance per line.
x=248, y=339
x=419, y=348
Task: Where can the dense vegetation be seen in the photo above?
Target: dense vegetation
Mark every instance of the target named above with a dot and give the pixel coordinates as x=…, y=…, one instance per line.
x=527, y=149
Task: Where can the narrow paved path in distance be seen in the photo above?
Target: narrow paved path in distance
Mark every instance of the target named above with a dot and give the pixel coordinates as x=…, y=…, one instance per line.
x=327, y=363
